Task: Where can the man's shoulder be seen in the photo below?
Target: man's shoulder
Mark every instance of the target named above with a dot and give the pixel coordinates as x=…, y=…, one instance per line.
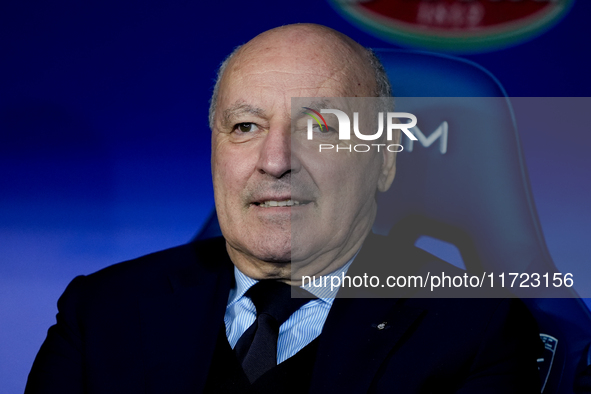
x=155, y=272
x=196, y=254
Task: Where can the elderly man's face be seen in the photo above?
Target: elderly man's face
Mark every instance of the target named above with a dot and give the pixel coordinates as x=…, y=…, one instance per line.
x=263, y=185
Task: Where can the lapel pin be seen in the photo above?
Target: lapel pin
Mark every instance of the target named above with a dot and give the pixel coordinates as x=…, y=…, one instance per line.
x=381, y=326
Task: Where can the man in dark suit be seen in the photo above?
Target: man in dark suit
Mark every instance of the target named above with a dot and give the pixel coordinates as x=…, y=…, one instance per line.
x=209, y=316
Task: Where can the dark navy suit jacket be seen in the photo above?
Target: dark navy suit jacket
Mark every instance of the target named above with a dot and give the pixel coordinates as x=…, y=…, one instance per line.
x=150, y=325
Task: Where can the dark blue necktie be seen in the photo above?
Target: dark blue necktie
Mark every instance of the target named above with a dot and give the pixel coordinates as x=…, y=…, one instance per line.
x=257, y=347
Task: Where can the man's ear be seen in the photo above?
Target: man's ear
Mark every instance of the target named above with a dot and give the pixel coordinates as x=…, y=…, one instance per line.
x=388, y=169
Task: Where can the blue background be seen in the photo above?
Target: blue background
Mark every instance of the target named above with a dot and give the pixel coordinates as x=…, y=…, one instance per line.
x=104, y=143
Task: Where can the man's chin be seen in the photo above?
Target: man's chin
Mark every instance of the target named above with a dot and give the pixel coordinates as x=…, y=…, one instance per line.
x=266, y=267
x=262, y=253
x=276, y=259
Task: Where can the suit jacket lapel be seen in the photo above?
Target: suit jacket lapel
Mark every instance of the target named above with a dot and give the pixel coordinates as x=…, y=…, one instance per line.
x=356, y=339
x=179, y=328
x=360, y=331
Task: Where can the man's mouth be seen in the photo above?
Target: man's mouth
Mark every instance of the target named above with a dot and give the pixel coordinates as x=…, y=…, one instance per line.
x=283, y=203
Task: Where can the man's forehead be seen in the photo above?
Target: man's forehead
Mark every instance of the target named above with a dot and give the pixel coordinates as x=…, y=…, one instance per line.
x=240, y=107
x=291, y=65
x=310, y=38
x=264, y=101
x=267, y=72
x=263, y=86
x=289, y=73
x=302, y=104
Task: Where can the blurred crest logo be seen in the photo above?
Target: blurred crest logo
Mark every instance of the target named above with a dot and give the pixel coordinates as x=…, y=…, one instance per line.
x=461, y=26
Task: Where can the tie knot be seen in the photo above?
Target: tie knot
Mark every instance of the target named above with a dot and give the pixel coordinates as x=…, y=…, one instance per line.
x=275, y=299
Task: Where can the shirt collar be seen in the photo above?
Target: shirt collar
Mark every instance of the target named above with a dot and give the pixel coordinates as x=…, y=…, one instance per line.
x=324, y=293
x=243, y=283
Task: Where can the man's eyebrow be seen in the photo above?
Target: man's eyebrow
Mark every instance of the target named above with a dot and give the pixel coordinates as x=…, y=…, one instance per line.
x=241, y=109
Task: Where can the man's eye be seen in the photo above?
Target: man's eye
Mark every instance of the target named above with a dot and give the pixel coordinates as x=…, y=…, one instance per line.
x=322, y=129
x=246, y=127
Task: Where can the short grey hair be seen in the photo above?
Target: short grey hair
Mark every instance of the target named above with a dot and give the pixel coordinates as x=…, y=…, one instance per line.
x=383, y=86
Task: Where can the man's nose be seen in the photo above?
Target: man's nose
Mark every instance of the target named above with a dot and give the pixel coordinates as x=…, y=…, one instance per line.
x=276, y=154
